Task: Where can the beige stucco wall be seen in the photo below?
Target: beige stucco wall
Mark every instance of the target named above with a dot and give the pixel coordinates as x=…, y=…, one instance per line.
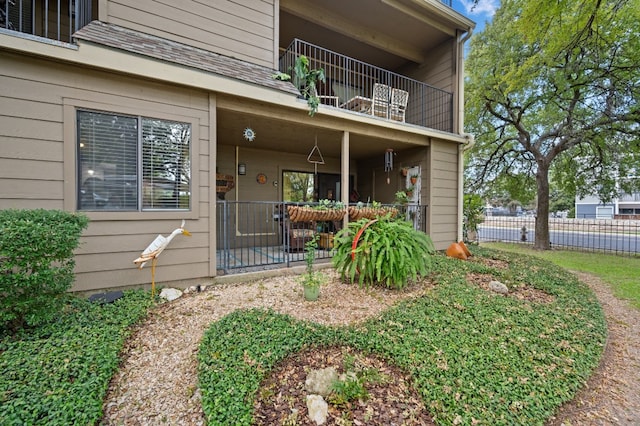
x=38, y=100
x=244, y=30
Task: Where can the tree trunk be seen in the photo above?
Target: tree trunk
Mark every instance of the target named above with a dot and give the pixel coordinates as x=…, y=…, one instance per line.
x=542, y=241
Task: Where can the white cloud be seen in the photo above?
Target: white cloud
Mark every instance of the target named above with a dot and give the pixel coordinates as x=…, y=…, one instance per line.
x=484, y=7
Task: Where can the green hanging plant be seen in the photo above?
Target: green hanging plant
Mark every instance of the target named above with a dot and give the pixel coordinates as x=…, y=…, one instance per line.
x=305, y=80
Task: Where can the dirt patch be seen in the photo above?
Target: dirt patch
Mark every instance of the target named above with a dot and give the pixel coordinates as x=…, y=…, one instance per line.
x=492, y=263
x=521, y=292
x=388, y=400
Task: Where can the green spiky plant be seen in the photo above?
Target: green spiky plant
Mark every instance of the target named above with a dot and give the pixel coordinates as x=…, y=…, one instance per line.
x=388, y=251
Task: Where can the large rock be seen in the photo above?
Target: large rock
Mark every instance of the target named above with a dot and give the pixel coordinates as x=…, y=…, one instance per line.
x=498, y=287
x=321, y=381
x=170, y=294
x=317, y=408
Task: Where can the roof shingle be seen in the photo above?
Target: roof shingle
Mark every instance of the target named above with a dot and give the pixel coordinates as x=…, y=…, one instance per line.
x=181, y=54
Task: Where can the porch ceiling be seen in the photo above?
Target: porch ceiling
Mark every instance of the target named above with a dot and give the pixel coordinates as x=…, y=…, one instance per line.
x=298, y=138
x=388, y=33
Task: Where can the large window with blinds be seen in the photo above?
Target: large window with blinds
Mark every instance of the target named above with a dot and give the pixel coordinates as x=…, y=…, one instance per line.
x=132, y=163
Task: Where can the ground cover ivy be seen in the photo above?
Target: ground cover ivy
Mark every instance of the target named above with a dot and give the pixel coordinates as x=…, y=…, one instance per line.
x=472, y=355
x=237, y=351
x=58, y=373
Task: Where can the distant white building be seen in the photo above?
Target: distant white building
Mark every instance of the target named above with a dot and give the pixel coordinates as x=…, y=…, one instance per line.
x=625, y=207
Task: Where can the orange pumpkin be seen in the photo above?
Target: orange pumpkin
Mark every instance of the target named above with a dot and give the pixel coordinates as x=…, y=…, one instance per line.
x=456, y=251
x=464, y=247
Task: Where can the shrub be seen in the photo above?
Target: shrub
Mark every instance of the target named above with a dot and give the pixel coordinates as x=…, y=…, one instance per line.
x=388, y=251
x=36, y=263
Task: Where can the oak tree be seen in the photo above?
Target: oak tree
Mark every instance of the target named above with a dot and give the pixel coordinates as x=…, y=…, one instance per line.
x=553, y=87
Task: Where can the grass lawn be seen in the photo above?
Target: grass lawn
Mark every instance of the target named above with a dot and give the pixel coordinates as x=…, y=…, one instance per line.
x=620, y=272
x=472, y=355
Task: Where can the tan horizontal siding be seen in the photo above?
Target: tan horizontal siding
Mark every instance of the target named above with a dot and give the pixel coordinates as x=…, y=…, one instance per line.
x=28, y=169
x=171, y=256
x=31, y=189
x=35, y=95
x=444, y=193
x=134, y=277
x=21, y=148
x=23, y=203
x=135, y=243
x=224, y=27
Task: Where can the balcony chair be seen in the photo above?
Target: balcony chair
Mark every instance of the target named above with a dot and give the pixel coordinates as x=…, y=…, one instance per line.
x=399, y=99
x=380, y=100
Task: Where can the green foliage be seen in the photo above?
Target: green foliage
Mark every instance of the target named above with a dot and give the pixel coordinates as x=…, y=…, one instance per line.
x=474, y=357
x=58, y=373
x=329, y=205
x=473, y=210
x=551, y=89
x=305, y=79
x=352, y=386
x=238, y=351
x=343, y=392
x=311, y=278
x=389, y=252
x=620, y=272
x=401, y=197
x=36, y=263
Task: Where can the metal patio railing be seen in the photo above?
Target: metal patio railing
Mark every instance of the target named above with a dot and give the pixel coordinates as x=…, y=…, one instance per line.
x=602, y=235
x=52, y=19
x=350, y=79
x=254, y=235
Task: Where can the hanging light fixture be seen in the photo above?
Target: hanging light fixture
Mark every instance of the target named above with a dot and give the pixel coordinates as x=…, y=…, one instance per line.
x=388, y=163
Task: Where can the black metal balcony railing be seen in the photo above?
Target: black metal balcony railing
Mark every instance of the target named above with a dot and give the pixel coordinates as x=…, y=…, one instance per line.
x=349, y=85
x=52, y=19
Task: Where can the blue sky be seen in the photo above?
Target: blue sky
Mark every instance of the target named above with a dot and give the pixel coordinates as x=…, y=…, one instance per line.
x=482, y=13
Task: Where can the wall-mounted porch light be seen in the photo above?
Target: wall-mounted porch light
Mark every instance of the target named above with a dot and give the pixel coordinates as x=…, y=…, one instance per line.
x=242, y=169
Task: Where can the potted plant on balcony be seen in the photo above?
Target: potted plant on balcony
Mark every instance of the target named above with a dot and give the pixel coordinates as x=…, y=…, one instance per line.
x=414, y=179
x=305, y=80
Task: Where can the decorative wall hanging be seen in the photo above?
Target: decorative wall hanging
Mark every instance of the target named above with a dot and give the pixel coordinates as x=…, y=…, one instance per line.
x=249, y=134
x=388, y=163
x=261, y=178
x=315, y=157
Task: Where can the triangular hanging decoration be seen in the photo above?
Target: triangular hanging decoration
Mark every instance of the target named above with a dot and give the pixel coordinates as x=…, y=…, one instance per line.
x=315, y=156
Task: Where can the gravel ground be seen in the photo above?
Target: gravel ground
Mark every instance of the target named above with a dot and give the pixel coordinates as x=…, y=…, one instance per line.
x=157, y=380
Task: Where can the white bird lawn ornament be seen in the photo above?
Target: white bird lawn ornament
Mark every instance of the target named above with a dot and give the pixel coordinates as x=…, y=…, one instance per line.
x=154, y=249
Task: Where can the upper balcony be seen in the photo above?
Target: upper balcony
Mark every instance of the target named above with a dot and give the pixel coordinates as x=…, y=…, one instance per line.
x=366, y=89
x=54, y=20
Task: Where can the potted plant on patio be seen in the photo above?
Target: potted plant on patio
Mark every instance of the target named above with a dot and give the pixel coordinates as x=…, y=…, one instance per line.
x=401, y=197
x=409, y=192
x=413, y=179
x=326, y=210
x=311, y=280
x=370, y=211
